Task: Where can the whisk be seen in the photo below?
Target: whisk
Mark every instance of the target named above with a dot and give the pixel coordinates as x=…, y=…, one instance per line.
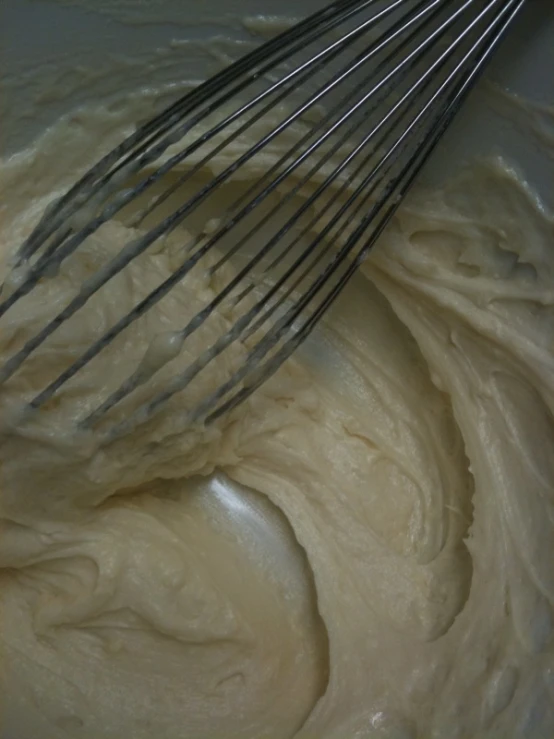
x=342, y=109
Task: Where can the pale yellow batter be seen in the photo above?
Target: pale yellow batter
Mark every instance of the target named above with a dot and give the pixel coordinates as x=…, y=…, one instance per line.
x=410, y=474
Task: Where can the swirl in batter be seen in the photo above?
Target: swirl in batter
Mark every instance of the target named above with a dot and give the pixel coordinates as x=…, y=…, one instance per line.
x=404, y=462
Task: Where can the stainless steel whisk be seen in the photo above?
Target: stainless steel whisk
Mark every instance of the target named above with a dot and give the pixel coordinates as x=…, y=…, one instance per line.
x=360, y=93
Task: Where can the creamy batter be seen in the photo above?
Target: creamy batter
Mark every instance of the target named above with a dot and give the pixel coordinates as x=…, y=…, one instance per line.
x=404, y=462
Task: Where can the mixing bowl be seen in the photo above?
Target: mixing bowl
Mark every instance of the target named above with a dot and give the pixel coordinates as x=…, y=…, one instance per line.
x=59, y=56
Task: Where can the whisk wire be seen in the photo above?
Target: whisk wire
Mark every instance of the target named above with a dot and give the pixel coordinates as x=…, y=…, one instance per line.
x=261, y=372
x=134, y=249
x=208, y=409
x=308, y=30
x=397, y=93
x=147, y=155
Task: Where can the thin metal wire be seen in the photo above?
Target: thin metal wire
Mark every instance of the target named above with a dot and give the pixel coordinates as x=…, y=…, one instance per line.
x=400, y=69
x=208, y=410
x=167, y=120
x=311, y=28
x=134, y=249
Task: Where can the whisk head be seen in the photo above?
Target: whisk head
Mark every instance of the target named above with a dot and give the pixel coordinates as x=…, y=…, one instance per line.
x=322, y=130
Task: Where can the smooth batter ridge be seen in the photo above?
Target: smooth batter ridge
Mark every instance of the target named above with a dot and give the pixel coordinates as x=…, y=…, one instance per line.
x=408, y=454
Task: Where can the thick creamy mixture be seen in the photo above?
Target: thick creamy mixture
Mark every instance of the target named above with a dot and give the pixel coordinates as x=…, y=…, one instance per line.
x=403, y=464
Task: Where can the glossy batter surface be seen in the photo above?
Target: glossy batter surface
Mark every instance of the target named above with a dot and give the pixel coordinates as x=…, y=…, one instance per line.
x=404, y=463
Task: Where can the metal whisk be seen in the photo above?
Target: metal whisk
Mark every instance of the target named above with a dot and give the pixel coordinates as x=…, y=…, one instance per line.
x=341, y=110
